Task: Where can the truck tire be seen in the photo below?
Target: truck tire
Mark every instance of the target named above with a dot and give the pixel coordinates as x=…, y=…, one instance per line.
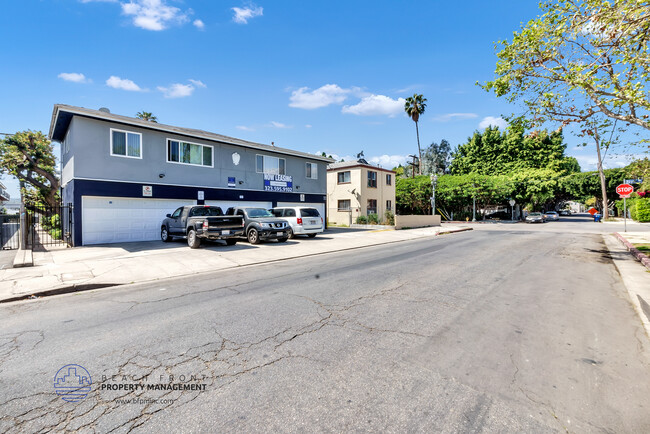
x=253, y=236
x=231, y=241
x=290, y=234
x=192, y=240
x=164, y=235
x=282, y=240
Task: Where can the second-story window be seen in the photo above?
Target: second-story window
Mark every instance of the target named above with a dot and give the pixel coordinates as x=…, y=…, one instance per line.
x=311, y=171
x=189, y=153
x=372, y=179
x=271, y=165
x=343, y=177
x=389, y=179
x=126, y=144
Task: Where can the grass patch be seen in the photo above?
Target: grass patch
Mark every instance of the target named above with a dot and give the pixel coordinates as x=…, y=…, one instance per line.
x=645, y=248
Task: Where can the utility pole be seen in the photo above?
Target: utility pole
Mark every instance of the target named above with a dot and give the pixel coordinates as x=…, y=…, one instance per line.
x=474, y=204
x=413, y=164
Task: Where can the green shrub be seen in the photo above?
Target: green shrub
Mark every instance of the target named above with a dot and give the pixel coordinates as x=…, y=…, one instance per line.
x=55, y=221
x=373, y=219
x=362, y=220
x=390, y=218
x=56, y=234
x=642, y=210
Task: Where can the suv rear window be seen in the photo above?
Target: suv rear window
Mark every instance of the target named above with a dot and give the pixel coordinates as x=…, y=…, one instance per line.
x=309, y=212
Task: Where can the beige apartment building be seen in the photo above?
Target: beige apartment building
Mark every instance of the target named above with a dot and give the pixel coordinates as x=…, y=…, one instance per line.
x=357, y=188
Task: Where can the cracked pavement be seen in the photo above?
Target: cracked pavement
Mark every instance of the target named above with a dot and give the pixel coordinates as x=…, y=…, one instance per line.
x=426, y=335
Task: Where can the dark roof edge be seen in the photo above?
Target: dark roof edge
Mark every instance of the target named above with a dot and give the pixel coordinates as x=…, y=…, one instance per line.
x=205, y=135
x=369, y=166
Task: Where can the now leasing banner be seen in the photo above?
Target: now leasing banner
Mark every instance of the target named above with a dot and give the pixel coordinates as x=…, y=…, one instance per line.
x=281, y=183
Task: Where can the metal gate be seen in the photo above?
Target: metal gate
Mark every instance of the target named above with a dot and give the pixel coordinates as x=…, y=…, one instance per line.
x=48, y=225
x=9, y=231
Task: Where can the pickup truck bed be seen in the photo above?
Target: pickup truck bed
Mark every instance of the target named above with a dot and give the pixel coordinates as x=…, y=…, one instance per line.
x=201, y=222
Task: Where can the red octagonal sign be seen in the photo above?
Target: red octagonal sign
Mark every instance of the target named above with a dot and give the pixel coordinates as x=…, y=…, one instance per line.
x=624, y=189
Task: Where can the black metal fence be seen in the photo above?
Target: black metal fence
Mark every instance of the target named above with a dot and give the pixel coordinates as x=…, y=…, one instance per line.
x=48, y=225
x=9, y=231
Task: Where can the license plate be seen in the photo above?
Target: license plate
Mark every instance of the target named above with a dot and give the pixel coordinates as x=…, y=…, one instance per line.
x=280, y=234
x=313, y=222
x=225, y=232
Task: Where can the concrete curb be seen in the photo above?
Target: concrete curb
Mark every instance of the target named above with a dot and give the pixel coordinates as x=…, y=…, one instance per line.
x=24, y=258
x=79, y=287
x=641, y=257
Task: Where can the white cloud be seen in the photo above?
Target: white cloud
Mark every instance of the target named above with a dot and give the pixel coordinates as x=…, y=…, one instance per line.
x=376, y=105
x=177, y=90
x=275, y=124
x=388, y=161
x=197, y=83
x=307, y=126
x=244, y=128
x=323, y=96
x=455, y=116
x=242, y=15
x=494, y=122
x=74, y=77
x=123, y=83
x=199, y=24
x=153, y=14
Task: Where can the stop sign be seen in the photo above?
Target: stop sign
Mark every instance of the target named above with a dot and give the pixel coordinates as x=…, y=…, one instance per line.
x=624, y=189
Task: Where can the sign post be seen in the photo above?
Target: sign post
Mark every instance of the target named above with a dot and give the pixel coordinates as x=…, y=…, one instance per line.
x=512, y=205
x=624, y=191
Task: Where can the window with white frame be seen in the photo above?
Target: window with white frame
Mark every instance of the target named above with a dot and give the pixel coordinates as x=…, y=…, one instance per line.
x=126, y=144
x=311, y=171
x=193, y=154
x=372, y=207
x=270, y=165
x=343, y=205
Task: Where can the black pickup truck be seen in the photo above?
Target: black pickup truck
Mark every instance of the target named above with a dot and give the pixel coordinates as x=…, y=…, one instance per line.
x=201, y=222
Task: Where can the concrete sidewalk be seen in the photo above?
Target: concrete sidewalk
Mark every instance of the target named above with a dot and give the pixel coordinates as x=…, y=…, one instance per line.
x=629, y=239
x=118, y=264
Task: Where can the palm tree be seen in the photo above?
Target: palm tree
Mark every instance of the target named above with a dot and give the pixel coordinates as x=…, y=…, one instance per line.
x=414, y=107
x=147, y=116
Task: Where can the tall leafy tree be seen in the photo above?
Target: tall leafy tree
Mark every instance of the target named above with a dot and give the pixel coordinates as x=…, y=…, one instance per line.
x=29, y=156
x=580, y=58
x=435, y=158
x=147, y=116
x=414, y=106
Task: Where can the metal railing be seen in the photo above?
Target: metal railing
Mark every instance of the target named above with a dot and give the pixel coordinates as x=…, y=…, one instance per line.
x=48, y=226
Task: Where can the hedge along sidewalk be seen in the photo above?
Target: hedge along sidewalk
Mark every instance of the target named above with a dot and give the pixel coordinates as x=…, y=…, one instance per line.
x=639, y=238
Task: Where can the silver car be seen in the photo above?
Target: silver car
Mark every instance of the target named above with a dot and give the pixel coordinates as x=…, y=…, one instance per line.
x=535, y=217
x=303, y=220
x=552, y=215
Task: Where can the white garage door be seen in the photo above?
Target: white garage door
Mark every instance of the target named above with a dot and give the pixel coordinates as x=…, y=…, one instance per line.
x=116, y=219
x=319, y=206
x=224, y=204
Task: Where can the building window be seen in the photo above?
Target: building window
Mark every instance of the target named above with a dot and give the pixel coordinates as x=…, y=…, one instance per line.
x=270, y=165
x=189, y=153
x=344, y=205
x=126, y=144
x=372, y=179
x=372, y=206
x=343, y=177
x=389, y=205
x=389, y=179
x=311, y=171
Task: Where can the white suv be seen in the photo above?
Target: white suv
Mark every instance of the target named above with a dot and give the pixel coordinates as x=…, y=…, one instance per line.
x=303, y=220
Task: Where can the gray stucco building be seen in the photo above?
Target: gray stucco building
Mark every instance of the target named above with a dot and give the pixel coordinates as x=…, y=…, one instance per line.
x=123, y=174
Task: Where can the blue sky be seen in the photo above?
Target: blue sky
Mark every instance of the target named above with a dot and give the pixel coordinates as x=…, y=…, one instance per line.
x=308, y=75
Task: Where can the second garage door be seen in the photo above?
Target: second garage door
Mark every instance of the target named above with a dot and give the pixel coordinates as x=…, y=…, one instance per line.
x=115, y=219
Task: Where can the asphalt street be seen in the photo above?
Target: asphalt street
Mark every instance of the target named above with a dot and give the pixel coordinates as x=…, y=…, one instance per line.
x=509, y=328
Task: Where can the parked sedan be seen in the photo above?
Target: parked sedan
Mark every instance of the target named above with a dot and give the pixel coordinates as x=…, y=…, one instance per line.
x=261, y=225
x=566, y=212
x=551, y=215
x=535, y=217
